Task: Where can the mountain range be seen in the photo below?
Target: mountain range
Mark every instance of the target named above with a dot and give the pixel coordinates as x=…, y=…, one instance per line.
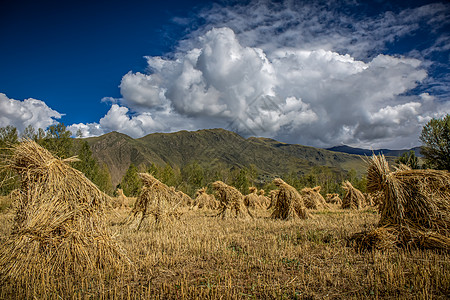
x=367, y=152
x=216, y=148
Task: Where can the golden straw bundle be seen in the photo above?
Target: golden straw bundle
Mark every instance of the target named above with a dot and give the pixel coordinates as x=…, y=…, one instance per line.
x=265, y=201
x=252, y=200
x=288, y=204
x=121, y=201
x=313, y=199
x=204, y=200
x=333, y=198
x=415, y=205
x=353, y=198
x=60, y=225
x=157, y=200
x=231, y=201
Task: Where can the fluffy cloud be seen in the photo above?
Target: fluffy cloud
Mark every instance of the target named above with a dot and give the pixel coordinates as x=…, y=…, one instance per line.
x=21, y=114
x=314, y=97
x=308, y=75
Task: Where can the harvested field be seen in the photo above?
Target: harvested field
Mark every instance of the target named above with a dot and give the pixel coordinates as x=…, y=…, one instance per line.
x=202, y=256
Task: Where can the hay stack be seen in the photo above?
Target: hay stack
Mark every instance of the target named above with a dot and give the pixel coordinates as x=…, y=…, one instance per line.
x=265, y=201
x=416, y=204
x=204, y=200
x=185, y=199
x=231, y=201
x=333, y=198
x=273, y=195
x=313, y=199
x=121, y=200
x=353, y=198
x=288, y=204
x=252, y=200
x=157, y=200
x=59, y=228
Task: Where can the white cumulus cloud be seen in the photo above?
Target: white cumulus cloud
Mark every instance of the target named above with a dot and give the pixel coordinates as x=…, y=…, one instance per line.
x=21, y=114
x=299, y=72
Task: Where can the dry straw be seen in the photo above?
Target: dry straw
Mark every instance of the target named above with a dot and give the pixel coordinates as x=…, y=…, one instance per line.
x=231, y=202
x=204, y=200
x=60, y=225
x=313, y=199
x=185, y=199
x=121, y=201
x=415, y=205
x=252, y=200
x=273, y=194
x=333, y=198
x=354, y=198
x=156, y=200
x=263, y=199
x=287, y=202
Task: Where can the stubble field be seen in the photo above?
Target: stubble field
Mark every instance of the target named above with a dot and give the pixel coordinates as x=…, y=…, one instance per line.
x=205, y=257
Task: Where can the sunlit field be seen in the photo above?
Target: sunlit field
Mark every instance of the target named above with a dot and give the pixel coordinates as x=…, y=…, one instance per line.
x=203, y=256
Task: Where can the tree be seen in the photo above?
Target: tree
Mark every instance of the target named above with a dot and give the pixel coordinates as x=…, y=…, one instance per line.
x=8, y=136
x=169, y=176
x=409, y=159
x=435, y=139
x=194, y=175
x=58, y=141
x=89, y=166
x=131, y=184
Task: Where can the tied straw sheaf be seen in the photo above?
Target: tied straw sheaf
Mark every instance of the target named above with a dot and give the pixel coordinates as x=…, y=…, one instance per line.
x=313, y=199
x=353, y=198
x=157, y=200
x=231, y=202
x=414, y=208
x=288, y=203
x=59, y=227
x=204, y=201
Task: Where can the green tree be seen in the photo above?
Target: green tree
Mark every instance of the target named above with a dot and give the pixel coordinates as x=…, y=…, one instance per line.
x=131, y=184
x=435, y=138
x=29, y=133
x=104, y=181
x=169, y=175
x=92, y=170
x=8, y=136
x=153, y=170
x=58, y=141
x=194, y=175
x=241, y=180
x=409, y=159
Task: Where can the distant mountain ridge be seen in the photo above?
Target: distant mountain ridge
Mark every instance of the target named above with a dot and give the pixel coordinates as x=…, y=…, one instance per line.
x=367, y=152
x=215, y=148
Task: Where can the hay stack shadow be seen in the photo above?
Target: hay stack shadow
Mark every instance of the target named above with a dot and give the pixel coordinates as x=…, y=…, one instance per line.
x=59, y=228
x=414, y=208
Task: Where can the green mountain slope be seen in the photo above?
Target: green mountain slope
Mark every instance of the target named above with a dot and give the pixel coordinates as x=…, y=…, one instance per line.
x=212, y=148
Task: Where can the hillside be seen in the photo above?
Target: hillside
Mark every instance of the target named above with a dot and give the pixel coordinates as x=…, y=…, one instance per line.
x=212, y=148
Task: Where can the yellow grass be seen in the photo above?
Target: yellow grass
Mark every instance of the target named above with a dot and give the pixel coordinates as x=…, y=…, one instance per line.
x=204, y=257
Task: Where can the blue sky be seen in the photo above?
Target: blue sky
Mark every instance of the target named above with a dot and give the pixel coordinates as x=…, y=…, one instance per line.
x=320, y=73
